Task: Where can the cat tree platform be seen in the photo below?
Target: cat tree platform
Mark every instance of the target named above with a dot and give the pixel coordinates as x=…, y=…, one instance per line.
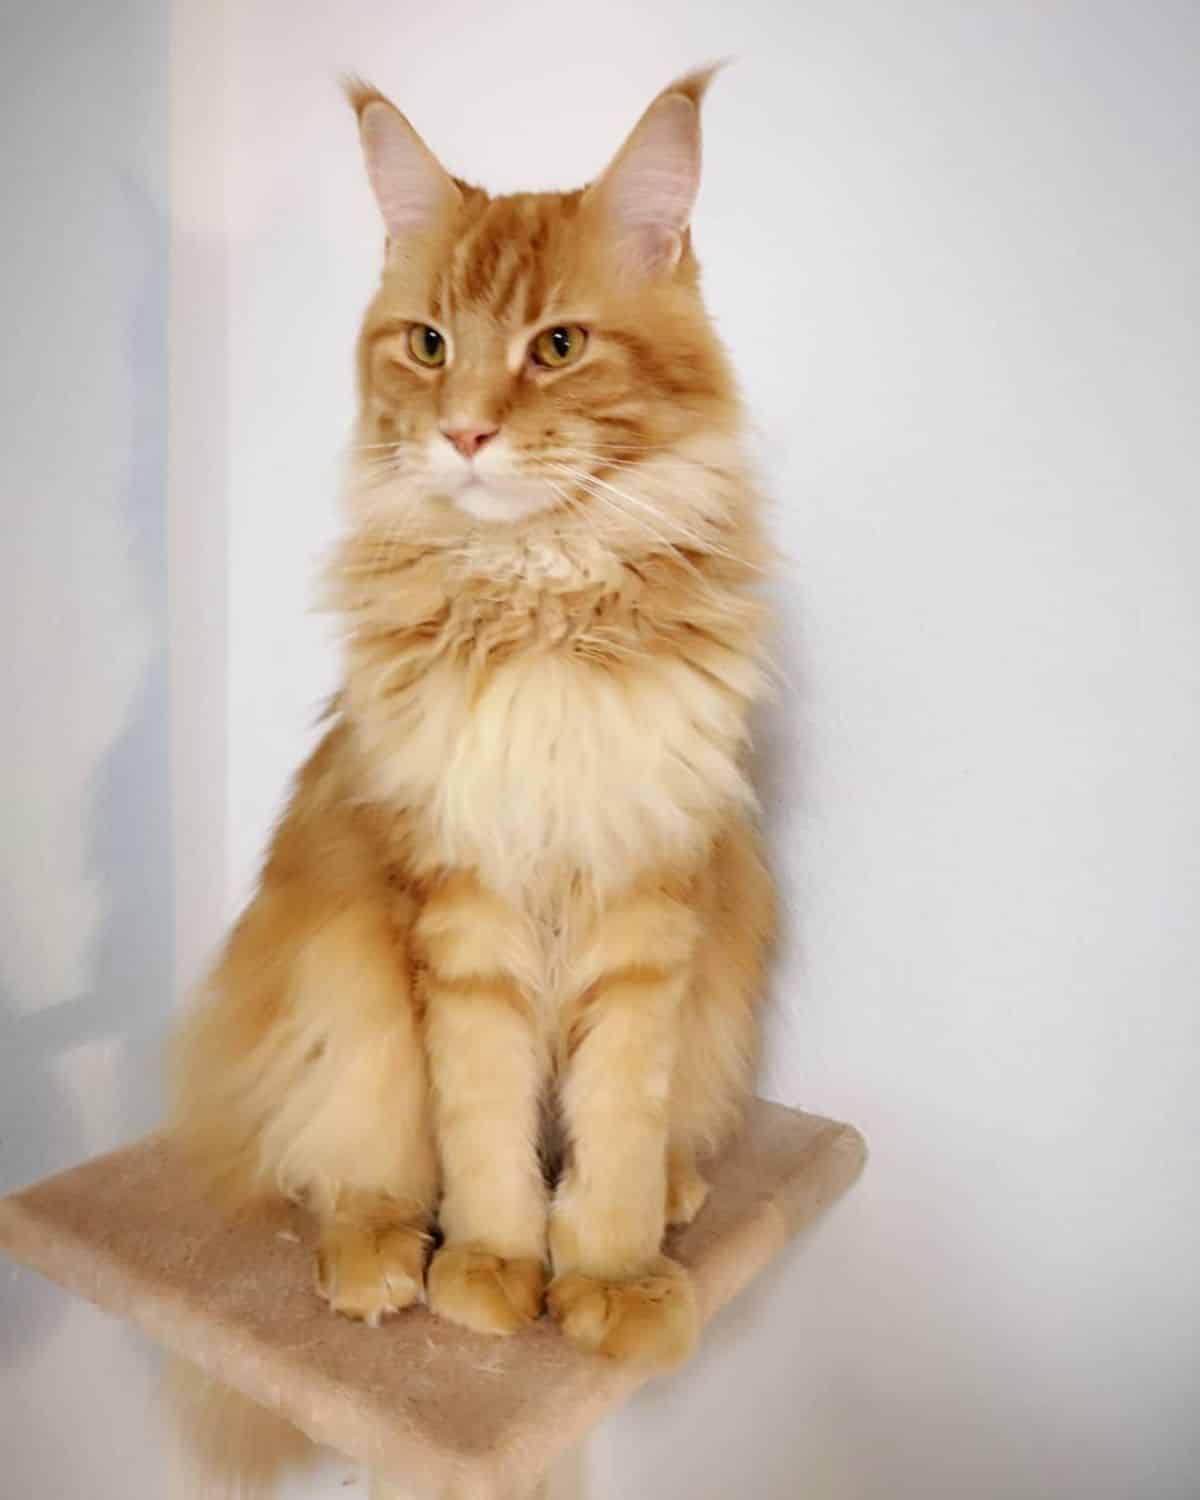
x=452, y=1415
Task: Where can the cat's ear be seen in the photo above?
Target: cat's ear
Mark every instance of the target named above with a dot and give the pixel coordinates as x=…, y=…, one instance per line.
x=411, y=186
x=648, y=190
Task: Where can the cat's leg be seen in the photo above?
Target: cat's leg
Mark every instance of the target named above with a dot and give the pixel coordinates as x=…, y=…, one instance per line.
x=486, y=1065
x=614, y=1291
x=303, y=1075
x=718, y=1024
x=301, y=1072
x=351, y=1134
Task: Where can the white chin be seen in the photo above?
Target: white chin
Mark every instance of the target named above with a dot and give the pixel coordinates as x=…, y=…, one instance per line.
x=485, y=504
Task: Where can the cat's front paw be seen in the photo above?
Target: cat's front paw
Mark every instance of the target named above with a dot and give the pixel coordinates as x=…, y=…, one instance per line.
x=650, y=1320
x=484, y=1292
x=366, y=1272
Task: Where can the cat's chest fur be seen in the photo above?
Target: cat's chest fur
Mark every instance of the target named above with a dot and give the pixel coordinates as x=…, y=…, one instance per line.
x=545, y=758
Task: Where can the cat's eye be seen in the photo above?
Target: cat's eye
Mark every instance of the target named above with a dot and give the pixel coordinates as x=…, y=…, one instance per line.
x=426, y=345
x=555, y=347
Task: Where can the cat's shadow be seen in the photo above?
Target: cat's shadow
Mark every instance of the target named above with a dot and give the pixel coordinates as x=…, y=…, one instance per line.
x=82, y=1074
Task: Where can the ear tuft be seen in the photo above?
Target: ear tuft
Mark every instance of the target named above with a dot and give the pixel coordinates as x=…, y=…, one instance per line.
x=694, y=85
x=359, y=92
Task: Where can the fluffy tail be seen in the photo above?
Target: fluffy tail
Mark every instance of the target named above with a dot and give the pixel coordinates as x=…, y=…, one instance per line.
x=224, y=1446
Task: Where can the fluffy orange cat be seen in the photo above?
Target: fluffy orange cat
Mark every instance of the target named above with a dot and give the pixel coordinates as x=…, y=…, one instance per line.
x=501, y=971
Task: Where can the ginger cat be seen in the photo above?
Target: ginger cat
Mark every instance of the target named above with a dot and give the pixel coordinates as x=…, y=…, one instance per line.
x=501, y=970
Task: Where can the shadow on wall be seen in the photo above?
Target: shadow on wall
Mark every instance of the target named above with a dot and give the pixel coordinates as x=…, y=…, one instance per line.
x=86, y=876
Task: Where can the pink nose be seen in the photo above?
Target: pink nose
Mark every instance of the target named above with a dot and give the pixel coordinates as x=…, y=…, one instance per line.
x=469, y=440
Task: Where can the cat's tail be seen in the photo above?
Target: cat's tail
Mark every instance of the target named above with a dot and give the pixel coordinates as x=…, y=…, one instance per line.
x=224, y=1446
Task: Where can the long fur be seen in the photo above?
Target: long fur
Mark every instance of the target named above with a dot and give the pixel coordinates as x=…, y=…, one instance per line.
x=515, y=912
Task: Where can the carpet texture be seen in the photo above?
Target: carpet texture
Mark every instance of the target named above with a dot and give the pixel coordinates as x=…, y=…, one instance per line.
x=457, y=1414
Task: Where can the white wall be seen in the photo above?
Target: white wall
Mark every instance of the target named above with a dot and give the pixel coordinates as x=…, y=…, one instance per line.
x=85, y=847
x=952, y=248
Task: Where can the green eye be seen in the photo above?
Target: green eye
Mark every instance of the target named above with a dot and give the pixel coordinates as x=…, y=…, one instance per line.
x=555, y=347
x=426, y=345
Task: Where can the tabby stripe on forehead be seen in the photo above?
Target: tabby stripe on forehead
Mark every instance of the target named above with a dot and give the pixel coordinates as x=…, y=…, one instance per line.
x=452, y=276
x=442, y=297
x=505, y=294
x=536, y=292
x=477, y=261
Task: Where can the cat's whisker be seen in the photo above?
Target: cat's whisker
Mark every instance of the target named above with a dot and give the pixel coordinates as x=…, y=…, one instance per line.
x=620, y=443
x=595, y=487
x=658, y=461
x=584, y=480
x=700, y=542
x=612, y=646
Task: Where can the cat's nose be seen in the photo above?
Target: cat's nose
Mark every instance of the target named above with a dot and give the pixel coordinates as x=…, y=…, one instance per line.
x=469, y=440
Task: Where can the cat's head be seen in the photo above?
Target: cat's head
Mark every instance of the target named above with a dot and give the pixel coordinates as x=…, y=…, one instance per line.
x=541, y=354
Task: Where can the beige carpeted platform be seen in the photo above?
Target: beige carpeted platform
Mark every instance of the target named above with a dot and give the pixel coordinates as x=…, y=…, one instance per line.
x=461, y=1415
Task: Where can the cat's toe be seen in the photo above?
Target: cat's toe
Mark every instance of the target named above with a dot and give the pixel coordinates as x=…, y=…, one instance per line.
x=650, y=1320
x=366, y=1273
x=687, y=1193
x=484, y=1292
